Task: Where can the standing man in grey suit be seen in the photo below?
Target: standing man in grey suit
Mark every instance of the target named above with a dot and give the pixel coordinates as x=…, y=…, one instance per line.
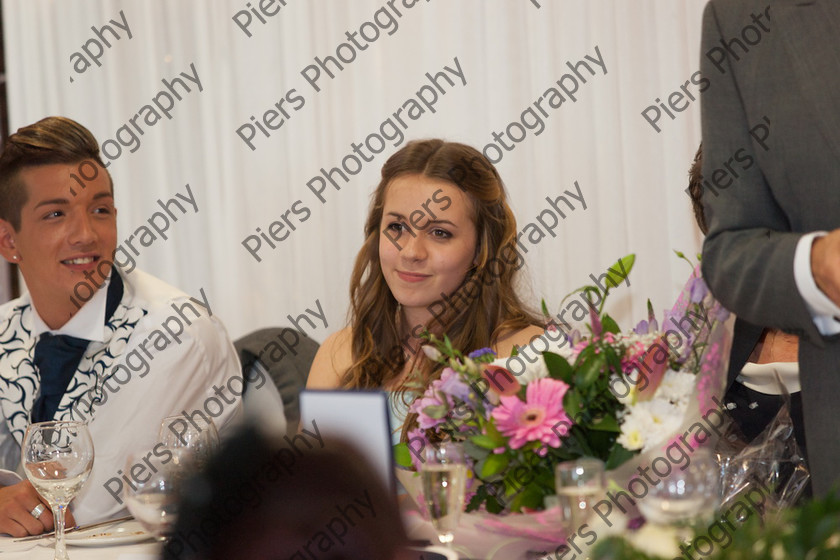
x=771, y=136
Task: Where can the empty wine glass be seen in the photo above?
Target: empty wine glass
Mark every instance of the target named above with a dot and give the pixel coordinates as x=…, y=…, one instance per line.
x=685, y=496
x=444, y=475
x=57, y=458
x=152, y=495
x=197, y=434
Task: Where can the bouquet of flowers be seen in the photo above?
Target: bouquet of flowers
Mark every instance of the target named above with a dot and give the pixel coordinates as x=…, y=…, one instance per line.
x=609, y=394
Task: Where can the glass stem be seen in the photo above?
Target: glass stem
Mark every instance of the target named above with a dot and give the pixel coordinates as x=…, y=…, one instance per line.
x=58, y=518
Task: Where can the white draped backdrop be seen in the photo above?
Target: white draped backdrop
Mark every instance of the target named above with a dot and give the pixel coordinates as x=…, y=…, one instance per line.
x=510, y=52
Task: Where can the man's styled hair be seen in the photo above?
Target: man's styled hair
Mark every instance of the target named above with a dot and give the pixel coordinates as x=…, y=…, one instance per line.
x=695, y=189
x=50, y=140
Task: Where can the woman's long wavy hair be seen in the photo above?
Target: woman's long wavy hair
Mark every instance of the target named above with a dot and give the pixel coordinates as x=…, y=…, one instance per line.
x=487, y=308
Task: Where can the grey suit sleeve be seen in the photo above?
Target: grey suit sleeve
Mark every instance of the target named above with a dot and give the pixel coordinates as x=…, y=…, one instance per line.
x=748, y=253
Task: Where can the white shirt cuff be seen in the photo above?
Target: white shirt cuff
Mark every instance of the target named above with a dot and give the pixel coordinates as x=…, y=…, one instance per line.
x=8, y=478
x=823, y=311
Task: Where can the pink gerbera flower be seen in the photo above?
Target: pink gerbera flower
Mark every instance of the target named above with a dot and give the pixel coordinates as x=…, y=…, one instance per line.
x=540, y=418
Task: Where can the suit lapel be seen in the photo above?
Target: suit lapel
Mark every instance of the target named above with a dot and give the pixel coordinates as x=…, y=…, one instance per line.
x=810, y=31
x=19, y=379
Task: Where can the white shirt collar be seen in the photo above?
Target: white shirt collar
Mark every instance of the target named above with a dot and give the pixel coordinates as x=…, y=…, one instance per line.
x=88, y=323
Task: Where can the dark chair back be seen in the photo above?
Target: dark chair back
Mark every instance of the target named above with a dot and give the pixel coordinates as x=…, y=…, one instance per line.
x=287, y=355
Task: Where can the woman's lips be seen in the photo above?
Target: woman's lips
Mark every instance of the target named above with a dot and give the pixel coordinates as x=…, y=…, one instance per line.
x=412, y=276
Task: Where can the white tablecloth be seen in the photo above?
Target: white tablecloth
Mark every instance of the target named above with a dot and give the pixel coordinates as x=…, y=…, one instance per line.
x=35, y=550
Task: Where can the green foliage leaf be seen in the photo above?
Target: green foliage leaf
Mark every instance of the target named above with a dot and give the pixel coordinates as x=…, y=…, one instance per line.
x=494, y=464
x=571, y=402
x=402, y=456
x=590, y=370
x=530, y=497
x=484, y=496
x=619, y=456
x=606, y=423
x=487, y=442
x=622, y=267
x=437, y=411
x=494, y=433
x=558, y=367
x=616, y=548
x=609, y=325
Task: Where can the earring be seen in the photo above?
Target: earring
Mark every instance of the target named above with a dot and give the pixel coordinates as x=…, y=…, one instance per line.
x=15, y=257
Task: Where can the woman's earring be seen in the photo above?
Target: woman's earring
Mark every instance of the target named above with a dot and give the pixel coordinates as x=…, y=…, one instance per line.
x=15, y=257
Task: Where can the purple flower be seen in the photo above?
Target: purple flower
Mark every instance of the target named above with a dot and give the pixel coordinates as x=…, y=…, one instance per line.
x=697, y=290
x=636, y=523
x=432, y=407
x=430, y=410
x=475, y=354
x=595, y=322
x=451, y=384
x=673, y=319
x=720, y=313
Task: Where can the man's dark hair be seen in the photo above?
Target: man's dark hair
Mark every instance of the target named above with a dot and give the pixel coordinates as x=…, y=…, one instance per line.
x=695, y=189
x=50, y=140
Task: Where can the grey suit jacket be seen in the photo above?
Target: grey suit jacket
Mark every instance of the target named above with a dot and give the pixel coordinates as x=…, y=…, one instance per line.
x=771, y=141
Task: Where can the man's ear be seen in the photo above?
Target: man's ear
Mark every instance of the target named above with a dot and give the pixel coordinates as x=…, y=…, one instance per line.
x=7, y=242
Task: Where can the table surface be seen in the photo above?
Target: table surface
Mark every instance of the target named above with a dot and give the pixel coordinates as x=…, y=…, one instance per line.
x=43, y=550
x=473, y=540
x=479, y=536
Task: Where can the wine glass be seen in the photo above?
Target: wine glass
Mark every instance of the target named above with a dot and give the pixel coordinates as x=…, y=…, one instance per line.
x=57, y=458
x=579, y=484
x=152, y=496
x=444, y=475
x=685, y=496
x=199, y=436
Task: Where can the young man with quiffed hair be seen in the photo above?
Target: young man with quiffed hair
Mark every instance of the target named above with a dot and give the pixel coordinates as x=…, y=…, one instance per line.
x=89, y=342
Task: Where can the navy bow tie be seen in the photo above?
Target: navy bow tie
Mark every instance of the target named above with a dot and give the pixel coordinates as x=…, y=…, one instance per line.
x=56, y=357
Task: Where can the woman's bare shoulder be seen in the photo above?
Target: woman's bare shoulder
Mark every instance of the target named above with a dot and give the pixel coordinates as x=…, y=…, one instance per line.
x=504, y=346
x=334, y=358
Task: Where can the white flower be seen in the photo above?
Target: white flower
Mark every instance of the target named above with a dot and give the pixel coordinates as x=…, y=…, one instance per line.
x=631, y=436
x=676, y=387
x=431, y=352
x=624, y=388
x=522, y=368
x=648, y=423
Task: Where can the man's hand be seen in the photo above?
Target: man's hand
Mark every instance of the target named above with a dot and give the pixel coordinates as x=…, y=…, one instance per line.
x=825, y=264
x=16, y=504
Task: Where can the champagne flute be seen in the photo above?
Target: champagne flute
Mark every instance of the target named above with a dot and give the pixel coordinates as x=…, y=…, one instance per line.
x=199, y=436
x=57, y=458
x=444, y=475
x=152, y=498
